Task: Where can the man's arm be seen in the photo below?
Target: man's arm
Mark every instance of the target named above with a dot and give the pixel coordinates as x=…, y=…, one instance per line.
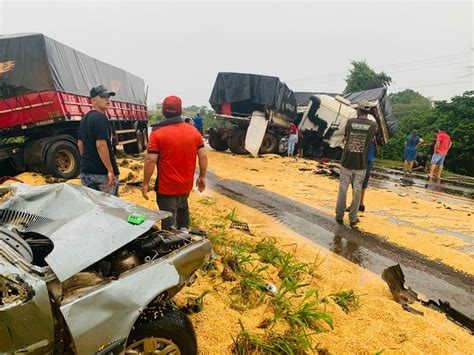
x=201, y=181
x=149, y=169
x=80, y=145
x=104, y=155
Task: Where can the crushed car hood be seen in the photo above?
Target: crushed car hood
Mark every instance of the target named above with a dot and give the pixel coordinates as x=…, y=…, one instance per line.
x=84, y=225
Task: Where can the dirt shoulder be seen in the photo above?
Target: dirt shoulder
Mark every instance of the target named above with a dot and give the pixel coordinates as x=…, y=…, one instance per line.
x=426, y=223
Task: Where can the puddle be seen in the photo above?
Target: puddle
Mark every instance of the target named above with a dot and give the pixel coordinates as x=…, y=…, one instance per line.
x=432, y=278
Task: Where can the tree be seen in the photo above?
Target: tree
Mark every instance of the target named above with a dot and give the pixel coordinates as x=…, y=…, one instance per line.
x=407, y=101
x=362, y=77
x=455, y=117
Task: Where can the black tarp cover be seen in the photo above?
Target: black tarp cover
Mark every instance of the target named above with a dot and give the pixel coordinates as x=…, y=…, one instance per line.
x=249, y=92
x=373, y=95
x=31, y=62
x=302, y=97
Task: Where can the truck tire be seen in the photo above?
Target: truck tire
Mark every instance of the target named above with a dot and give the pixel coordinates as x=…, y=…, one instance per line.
x=135, y=147
x=172, y=332
x=62, y=160
x=217, y=143
x=269, y=144
x=237, y=142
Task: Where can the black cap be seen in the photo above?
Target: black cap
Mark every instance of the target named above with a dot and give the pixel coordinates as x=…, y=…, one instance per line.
x=102, y=91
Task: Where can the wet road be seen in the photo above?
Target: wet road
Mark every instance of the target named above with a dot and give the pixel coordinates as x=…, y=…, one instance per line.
x=432, y=278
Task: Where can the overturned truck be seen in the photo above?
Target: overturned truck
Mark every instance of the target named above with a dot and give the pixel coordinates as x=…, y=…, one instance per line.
x=257, y=109
x=322, y=119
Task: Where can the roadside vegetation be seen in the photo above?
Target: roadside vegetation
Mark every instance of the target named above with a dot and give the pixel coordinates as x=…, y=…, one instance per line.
x=259, y=273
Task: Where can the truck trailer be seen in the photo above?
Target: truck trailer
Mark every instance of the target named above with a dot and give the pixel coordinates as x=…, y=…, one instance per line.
x=257, y=109
x=44, y=93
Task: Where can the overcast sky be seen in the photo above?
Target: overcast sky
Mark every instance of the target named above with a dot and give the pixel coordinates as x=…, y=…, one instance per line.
x=179, y=47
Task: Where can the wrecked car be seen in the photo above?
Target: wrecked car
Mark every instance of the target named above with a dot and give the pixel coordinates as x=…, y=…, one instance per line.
x=78, y=275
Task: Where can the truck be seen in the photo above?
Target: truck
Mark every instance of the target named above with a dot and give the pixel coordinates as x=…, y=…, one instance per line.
x=44, y=93
x=257, y=110
x=322, y=119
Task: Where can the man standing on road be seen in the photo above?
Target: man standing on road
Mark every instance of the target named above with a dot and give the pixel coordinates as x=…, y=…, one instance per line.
x=198, y=123
x=441, y=148
x=173, y=148
x=99, y=170
x=359, y=133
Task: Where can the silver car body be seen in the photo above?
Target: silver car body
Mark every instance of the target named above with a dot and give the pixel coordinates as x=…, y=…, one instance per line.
x=85, y=226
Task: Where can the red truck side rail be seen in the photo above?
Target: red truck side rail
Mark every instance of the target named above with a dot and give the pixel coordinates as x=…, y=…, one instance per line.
x=40, y=108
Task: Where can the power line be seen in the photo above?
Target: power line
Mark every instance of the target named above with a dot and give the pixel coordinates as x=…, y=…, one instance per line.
x=396, y=71
x=431, y=60
x=435, y=84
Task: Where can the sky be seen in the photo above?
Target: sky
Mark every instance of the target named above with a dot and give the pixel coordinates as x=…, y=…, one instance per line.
x=179, y=47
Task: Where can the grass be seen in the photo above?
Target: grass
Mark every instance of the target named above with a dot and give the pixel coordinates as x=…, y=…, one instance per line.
x=270, y=343
x=295, y=306
x=195, y=303
x=303, y=314
x=348, y=300
x=233, y=217
x=206, y=202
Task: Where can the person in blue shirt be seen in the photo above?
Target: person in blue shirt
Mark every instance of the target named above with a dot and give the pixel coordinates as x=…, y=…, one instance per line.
x=411, y=150
x=198, y=123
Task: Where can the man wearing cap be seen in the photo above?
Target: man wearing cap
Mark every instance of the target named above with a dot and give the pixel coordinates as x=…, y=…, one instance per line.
x=173, y=147
x=99, y=170
x=359, y=133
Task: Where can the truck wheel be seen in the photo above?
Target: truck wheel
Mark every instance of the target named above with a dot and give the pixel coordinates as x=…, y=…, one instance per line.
x=237, y=142
x=217, y=143
x=269, y=144
x=135, y=147
x=62, y=160
x=170, y=333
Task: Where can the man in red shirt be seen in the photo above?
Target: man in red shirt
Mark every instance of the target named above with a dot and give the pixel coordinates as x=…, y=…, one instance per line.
x=173, y=148
x=441, y=148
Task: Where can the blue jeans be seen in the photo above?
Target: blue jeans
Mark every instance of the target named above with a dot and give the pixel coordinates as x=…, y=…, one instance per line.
x=99, y=183
x=370, y=165
x=292, y=139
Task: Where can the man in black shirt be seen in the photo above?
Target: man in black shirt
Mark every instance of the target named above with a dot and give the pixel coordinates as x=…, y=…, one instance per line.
x=359, y=133
x=99, y=170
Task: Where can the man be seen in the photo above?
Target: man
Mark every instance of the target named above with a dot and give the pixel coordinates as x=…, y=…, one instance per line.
x=441, y=148
x=99, y=170
x=292, y=138
x=359, y=133
x=198, y=123
x=173, y=148
x=421, y=161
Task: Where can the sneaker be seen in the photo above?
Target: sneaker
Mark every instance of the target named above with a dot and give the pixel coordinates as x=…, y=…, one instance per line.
x=361, y=208
x=340, y=221
x=355, y=222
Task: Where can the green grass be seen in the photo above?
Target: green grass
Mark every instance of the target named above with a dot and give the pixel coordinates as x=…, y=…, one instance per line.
x=233, y=217
x=348, y=300
x=270, y=343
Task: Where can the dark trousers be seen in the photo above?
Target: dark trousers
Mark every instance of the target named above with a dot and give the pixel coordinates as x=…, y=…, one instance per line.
x=178, y=206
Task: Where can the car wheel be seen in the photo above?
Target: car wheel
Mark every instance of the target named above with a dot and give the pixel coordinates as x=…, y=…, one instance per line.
x=170, y=333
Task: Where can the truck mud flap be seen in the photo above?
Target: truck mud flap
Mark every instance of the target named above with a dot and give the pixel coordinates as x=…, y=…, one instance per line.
x=255, y=133
x=395, y=279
